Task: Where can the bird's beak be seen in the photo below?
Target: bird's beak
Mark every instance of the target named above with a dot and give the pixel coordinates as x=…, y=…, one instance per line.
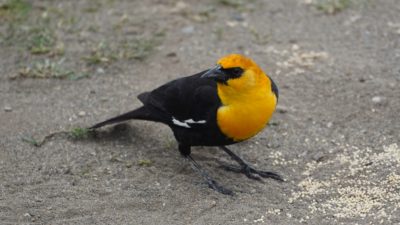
x=216, y=73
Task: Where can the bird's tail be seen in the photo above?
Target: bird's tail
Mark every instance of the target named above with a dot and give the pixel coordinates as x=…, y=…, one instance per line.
x=141, y=113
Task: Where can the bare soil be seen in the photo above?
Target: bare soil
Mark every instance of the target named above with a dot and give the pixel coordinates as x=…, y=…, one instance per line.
x=334, y=138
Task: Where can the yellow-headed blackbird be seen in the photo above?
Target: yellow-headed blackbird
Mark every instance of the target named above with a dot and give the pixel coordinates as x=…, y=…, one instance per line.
x=221, y=106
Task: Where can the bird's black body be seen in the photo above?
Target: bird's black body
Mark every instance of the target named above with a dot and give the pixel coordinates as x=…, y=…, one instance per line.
x=182, y=99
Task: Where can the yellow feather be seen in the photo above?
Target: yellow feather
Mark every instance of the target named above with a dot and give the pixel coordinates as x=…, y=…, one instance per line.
x=248, y=101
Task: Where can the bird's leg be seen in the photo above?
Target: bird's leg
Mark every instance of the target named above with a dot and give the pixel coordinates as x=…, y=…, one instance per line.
x=185, y=151
x=248, y=170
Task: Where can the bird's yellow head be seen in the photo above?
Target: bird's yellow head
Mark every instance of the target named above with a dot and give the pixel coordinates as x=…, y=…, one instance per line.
x=238, y=73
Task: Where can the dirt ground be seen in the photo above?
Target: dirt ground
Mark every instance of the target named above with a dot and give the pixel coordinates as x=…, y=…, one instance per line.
x=334, y=138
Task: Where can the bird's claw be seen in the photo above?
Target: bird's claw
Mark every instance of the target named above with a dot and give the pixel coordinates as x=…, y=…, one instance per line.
x=252, y=173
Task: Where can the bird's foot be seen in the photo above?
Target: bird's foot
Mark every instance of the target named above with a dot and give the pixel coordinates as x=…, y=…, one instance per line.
x=211, y=182
x=253, y=173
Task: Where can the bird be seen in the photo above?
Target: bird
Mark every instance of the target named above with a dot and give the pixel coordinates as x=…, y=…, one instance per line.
x=221, y=106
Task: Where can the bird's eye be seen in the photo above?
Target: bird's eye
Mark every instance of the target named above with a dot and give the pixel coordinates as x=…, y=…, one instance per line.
x=235, y=72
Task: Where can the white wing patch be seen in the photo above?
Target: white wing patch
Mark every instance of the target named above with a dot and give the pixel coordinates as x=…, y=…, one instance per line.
x=192, y=121
x=179, y=123
x=187, y=122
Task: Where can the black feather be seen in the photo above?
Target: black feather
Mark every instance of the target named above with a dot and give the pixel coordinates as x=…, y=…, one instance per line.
x=182, y=99
x=140, y=113
x=274, y=88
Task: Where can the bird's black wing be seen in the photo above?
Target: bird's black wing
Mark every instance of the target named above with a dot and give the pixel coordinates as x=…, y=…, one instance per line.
x=189, y=102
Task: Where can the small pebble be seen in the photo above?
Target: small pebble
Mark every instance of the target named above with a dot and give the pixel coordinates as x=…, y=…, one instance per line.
x=8, y=109
x=238, y=17
x=231, y=23
x=213, y=203
x=318, y=157
x=188, y=30
x=100, y=70
x=377, y=99
x=282, y=109
x=82, y=113
x=128, y=164
x=172, y=54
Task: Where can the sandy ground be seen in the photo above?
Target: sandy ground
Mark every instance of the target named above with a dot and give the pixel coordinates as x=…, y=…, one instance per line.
x=335, y=137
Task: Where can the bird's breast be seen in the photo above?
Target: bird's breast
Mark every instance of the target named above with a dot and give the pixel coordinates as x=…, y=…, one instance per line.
x=243, y=120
